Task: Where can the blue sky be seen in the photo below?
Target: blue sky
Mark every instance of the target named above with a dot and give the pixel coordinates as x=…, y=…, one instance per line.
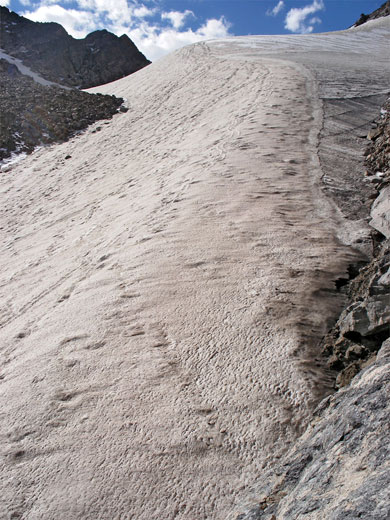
x=160, y=26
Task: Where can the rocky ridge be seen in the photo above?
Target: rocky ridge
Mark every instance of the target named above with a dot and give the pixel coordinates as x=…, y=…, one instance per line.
x=339, y=469
x=33, y=114
x=383, y=10
x=363, y=326
x=101, y=57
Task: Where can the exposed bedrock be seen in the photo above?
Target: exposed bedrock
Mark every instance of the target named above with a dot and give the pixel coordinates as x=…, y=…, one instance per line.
x=340, y=468
x=365, y=323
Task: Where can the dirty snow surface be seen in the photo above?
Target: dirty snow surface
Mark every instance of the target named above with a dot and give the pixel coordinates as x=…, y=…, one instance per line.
x=163, y=288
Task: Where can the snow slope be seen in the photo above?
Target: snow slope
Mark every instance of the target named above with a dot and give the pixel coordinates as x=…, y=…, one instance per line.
x=163, y=289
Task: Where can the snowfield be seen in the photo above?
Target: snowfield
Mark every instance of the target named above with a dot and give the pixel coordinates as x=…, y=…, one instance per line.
x=166, y=277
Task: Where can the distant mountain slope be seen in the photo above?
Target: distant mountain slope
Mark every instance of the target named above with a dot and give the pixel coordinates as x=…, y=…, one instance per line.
x=48, y=49
x=383, y=10
x=34, y=114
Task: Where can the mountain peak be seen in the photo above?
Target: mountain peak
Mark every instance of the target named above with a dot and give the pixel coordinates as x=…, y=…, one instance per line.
x=59, y=57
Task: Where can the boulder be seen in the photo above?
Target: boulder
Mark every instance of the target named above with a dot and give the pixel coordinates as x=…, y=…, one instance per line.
x=366, y=318
x=380, y=213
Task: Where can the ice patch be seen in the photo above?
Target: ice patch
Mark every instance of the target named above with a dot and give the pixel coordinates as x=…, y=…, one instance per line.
x=28, y=72
x=6, y=164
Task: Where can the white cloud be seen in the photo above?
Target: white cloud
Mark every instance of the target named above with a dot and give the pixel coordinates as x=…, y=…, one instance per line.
x=127, y=17
x=41, y=3
x=177, y=18
x=5, y=3
x=214, y=29
x=114, y=10
x=296, y=18
x=155, y=41
x=276, y=10
x=143, y=11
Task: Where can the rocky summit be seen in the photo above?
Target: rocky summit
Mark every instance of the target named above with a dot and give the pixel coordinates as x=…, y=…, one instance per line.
x=48, y=49
x=41, y=70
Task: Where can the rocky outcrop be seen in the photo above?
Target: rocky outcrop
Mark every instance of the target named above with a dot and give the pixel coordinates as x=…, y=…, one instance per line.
x=33, y=114
x=380, y=213
x=383, y=10
x=339, y=469
x=362, y=327
x=377, y=154
x=48, y=49
x=365, y=323
x=378, y=171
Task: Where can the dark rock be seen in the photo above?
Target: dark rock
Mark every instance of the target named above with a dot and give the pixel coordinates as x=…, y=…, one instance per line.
x=364, y=324
x=33, y=114
x=354, y=352
x=378, y=151
x=48, y=49
x=383, y=10
x=346, y=375
x=373, y=134
x=340, y=467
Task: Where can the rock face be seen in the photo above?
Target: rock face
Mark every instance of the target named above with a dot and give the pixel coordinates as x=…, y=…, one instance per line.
x=33, y=114
x=378, y=170
x=380, y=213
x=339, y=469
x=364, y=324
x=377, y=153
x=48, y=49
x=383, y=10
